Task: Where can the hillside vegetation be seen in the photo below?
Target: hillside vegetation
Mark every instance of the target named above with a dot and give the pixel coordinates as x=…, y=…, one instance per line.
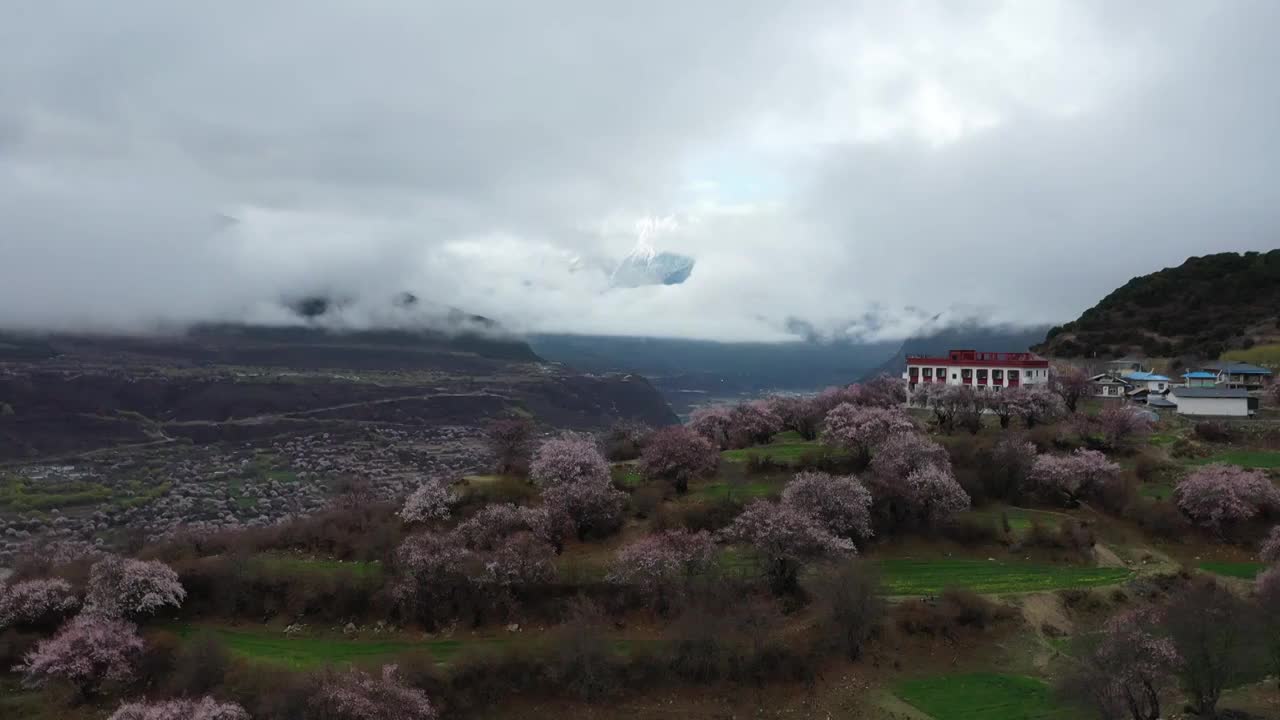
x=1205, y=307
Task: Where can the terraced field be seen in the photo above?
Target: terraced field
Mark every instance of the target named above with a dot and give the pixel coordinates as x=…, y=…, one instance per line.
x=1264, y=459
x=930, y=577
x=1243, y=570
x=982, y=696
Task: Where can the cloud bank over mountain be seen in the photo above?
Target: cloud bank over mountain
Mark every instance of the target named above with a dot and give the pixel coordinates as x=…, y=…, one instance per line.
x=812, y=168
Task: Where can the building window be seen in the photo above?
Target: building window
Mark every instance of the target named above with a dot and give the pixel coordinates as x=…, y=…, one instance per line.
x=982, y=377
x=928, y=372
x=953, y=376
x=997, y=375
x=1013, y=375
x=942, y=373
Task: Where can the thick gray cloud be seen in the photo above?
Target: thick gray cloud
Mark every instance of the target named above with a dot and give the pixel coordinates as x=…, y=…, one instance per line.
x=845, y=167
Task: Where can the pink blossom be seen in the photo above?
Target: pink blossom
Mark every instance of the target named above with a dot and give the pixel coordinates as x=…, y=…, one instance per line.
x=663, y=558
x=1267, y=585
x=829, y=398
x=884, y=391
x=1070, y=383
x=45, y=601
x=840, y=503
x=356, y=695
x=905, y=452
x=1068, y=479
x=932, y=494
x=1038, y=404
x=752, y=423
x=1220, y=495
x=862, y=429
x=205, y=708
x=1270, y=552
x=801, y=413
x=784, y=537
x=86, y=652
x=493, y=523
x=678, y=454
x=1126, y=672
x=124, y=587
x=429, y=502
x=1122, y=423
x=521, y=559
x=568, y=460
x=595, y=507
x=712, y=422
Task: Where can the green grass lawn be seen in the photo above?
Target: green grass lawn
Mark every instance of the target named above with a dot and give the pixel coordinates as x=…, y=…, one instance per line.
x=1267, y=355
x=301, y=652
x=1244, y=570
x=744, y=490
x=1156, y=490
x=930, y=577
x=981, y=696
x=787, y=447
x=1244, y=458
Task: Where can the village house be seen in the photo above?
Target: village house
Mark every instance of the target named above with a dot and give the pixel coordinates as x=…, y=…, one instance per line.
x=981, y=370
x=1150, y=382
x=1212, y=401
x=1107, y=385
x=1199, y=378
x=1238, y=374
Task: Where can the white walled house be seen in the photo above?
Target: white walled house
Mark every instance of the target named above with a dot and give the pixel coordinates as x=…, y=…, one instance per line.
x=1215, y=401
x=980, y=370
x=1150, y=382
x=1106, y=385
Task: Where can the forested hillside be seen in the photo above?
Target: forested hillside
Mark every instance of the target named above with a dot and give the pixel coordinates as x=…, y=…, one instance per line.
x=1203, y=308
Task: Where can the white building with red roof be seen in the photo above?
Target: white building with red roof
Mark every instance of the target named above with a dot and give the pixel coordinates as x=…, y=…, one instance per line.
x=980, y=370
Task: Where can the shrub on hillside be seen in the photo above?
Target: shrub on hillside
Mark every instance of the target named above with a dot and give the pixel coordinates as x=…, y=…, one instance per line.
x=40, y=603
x=1214, y=431
x=850, y=607
x=509, y=440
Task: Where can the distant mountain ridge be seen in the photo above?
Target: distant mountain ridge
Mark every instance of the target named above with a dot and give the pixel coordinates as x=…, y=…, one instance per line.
x=1201, y=308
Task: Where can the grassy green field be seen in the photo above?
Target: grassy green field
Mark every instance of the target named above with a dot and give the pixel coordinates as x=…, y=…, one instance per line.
x=1267, y=355
x=1156, y=490
x=273, y=646
x=1244, y=458
x=982, y=696
x=1244, y=570
x=787, y=447
x=744, y=490
x=930, y=577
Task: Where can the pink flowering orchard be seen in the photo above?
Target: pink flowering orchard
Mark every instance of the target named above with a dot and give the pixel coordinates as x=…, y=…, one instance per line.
x=568, y=460
x=839, y=502
x=36, y=603
x=430, y=501
x=124, y=587
x=205, y=708
x=714, y=423
x=861, y=429
x=87, y=652
x=357, y=695
x=1126, y=673
x=658, y=564
x=752, y=423
x=678, y=455
x=903, y=453
x=1069, y=479
x=1270, y=550
x=1220, y=496
x=785, y=537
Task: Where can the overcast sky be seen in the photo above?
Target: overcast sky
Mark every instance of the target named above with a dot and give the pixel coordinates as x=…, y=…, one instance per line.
x=855, y=166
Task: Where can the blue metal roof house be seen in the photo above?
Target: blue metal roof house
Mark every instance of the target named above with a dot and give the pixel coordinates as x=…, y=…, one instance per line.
x=1239, y=374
